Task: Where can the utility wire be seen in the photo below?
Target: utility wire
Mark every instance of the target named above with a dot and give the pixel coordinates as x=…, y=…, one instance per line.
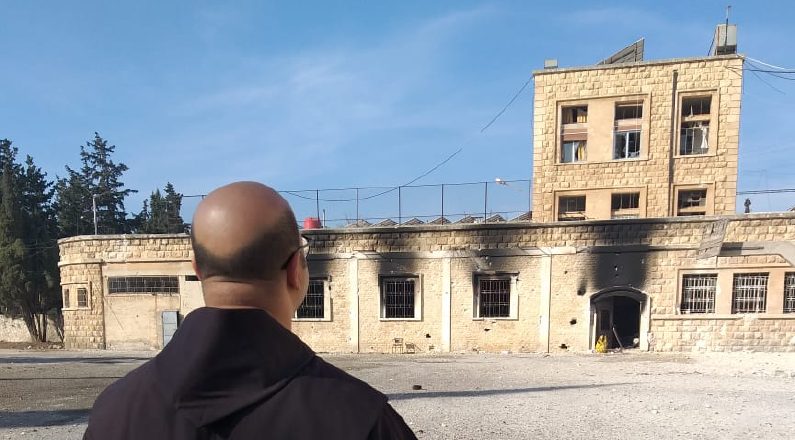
x=768, y=65
x=435, y=167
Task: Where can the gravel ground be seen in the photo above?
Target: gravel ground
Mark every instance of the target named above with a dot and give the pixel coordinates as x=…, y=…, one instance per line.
x=46, y=395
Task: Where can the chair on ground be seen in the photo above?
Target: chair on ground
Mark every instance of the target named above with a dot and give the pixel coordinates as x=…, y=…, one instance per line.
x=397, y=345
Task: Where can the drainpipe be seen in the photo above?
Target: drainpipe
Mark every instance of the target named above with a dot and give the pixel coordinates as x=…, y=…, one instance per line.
x=672, y=146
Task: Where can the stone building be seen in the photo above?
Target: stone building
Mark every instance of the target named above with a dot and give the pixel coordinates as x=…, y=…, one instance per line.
x=634, y=238
x=637, y=139
x=491, y=287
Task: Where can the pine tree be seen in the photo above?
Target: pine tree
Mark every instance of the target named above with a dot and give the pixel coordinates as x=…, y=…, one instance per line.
x=28, y=253
x=161, y=213
x=12, y=249
x=42, y=286
x=99, y=179
x=173, y=207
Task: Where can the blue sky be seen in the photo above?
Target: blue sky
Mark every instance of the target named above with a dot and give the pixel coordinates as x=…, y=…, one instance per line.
x=337, y=94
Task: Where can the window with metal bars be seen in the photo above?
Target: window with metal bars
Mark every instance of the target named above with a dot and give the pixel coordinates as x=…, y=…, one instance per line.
x=82, y=298
x=494, y=297
x=789, y=292
x=398, y=297
x=698, y=293
x=749, y=293
x=313, y=306
x=143, y=284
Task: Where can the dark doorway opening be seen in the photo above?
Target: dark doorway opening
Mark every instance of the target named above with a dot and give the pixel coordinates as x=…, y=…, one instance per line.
x=626, y=321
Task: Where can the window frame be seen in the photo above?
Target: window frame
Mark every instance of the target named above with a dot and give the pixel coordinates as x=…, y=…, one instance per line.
x=84, y=290
x=711, y=119
x=66, y=299
x=326, y=301
x=417, y=296
x=734, y=305
x=513, y=298
x=572, y=131
x=621, y=212
x=704, y=126
x=579, y=146
x=711, y=301
x=625, y=149
x=576, y=215
x=789, y=293
x=174, y=289
x=701, y=210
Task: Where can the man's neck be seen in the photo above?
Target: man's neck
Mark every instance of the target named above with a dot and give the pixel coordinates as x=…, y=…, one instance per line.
x=231, y=294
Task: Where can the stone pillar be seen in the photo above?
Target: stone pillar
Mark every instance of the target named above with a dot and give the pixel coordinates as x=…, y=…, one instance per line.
x=723, y=293
x=446, y=305
x=545, y=273
x=353, y=302
x=775, y=293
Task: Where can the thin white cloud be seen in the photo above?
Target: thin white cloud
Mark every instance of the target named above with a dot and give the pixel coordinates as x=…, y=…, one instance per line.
x=276, y=115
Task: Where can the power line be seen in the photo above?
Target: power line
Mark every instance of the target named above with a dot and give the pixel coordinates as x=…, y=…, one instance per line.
x=766, y=64
x=435, y=167
x=767, y=191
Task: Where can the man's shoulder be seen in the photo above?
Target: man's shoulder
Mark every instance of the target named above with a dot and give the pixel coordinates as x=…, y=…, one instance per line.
x=122, y=391
x=322, y=370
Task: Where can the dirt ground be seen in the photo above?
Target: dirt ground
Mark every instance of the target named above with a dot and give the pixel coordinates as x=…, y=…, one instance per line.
x=47, y=394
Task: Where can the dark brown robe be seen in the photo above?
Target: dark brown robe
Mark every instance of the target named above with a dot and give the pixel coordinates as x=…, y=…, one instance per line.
x=238, y=374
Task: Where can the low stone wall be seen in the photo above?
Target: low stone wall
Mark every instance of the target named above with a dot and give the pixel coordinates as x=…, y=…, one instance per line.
x=15, y=330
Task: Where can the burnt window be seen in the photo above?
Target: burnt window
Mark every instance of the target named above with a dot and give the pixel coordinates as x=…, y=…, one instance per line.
x=692, y=202
x=571, y=208
x=494, y=297
x=143, y=284
x=698, y=293
x=749, y=293
x=313, y=305
x=398, y=297
x=82, y=297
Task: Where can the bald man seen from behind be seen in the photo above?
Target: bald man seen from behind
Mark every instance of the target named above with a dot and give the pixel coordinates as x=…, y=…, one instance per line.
x=234, y=370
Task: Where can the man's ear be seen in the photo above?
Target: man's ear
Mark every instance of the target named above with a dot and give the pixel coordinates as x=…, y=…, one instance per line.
x=294, y=269
x=195, y=268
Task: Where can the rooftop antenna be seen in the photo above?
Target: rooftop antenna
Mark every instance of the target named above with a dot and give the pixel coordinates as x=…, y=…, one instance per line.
x=726, y=34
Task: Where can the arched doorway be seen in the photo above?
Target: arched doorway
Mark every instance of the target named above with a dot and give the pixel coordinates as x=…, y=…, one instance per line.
x=621, y=314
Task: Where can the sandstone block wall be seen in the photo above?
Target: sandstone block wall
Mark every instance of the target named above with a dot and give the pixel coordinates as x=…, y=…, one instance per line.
x=653, y=83
x=557, y=270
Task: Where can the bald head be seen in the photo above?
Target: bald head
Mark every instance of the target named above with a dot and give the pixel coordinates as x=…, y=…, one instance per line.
x=243, y=231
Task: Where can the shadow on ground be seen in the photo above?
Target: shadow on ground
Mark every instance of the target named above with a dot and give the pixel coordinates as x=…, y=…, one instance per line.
x=40, y=419
x=483, y=393
x=68, y=360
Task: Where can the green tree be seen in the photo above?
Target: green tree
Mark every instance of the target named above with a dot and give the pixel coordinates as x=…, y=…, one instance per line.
x=161, y=213
x=98, y=180
x=29, y=281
